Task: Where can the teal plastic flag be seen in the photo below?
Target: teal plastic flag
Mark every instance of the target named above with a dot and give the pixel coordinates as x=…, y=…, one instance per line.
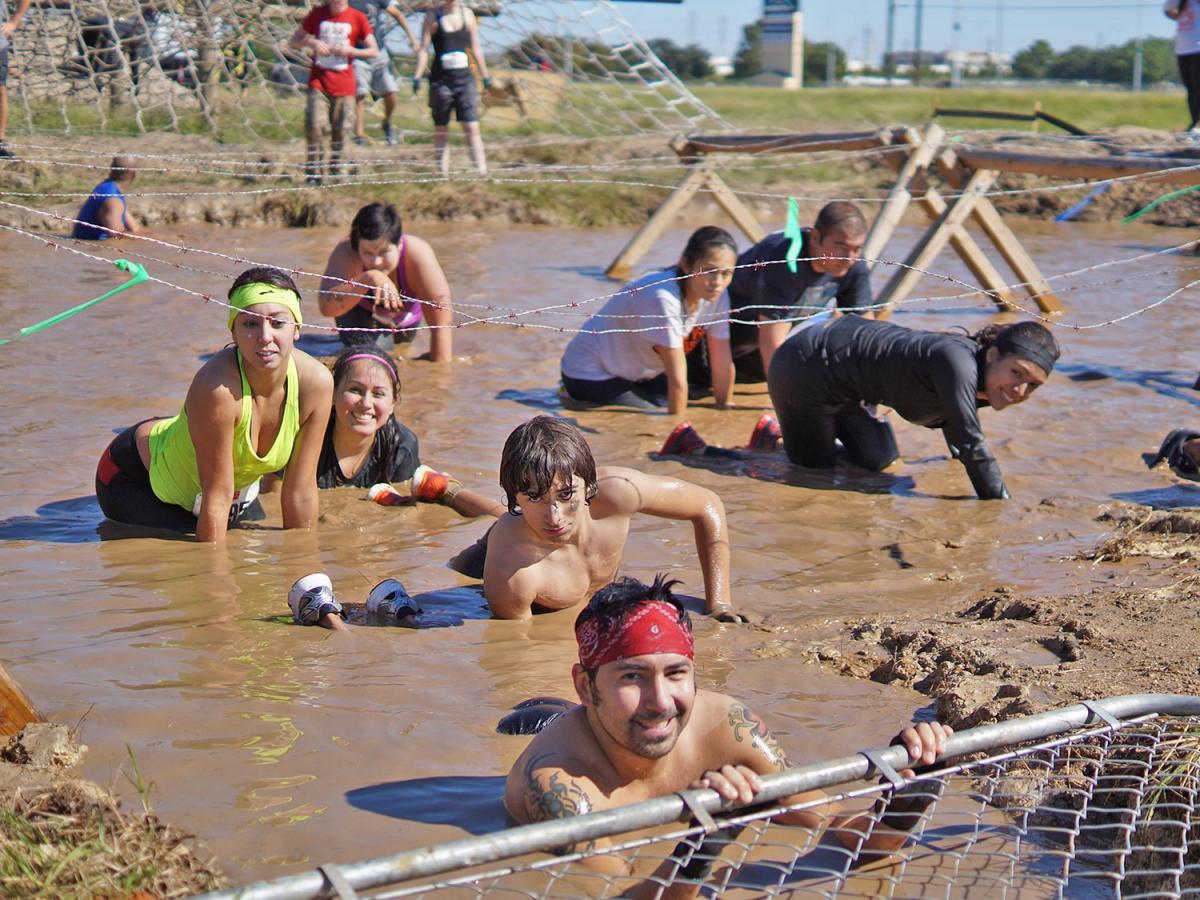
x=792, y=231
x=135, y=269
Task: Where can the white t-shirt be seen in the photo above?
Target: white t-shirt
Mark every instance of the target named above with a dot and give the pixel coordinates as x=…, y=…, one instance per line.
x=651, y=313
x=1187, y=28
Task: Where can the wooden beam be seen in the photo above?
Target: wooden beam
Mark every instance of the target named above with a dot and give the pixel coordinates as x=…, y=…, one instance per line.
x=931, y=243
x=621, y=267
x=735, y=208
x=892, y=211
x=1001, y=236
x=785, y=143
x=1171, y=170
x=16, y=709
x=970, y=253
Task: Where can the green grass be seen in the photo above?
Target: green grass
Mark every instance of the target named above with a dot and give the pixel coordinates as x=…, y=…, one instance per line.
x=854, y=108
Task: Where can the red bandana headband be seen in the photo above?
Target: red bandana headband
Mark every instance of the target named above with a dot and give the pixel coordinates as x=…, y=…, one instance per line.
x=651, y=628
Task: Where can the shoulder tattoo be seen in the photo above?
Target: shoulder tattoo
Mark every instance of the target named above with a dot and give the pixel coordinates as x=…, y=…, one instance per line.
x=556, y=796
x=749, y=727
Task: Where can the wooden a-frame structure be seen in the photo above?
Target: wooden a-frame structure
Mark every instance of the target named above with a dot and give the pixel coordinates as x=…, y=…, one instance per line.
x=969, y=172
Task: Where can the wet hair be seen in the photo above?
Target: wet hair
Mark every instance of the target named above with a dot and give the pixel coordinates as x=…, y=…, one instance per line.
x=1028, y=340
x=122, y=168
x=373, y=221
x=341, y=365
x=703, y=240
x=841, y=214
x=265, y=275
x=618, y=598
x=538, y=452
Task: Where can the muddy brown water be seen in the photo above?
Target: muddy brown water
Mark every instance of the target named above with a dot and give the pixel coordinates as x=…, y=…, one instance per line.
x=284, y=747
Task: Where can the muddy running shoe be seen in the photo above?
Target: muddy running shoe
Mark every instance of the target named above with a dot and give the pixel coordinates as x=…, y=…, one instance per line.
x=6, y=152
x=390, y=600
x=389, y=134
x=430, y=486
x=311, y=598
x=683, y=440
x=766, y=434
x=361, y=140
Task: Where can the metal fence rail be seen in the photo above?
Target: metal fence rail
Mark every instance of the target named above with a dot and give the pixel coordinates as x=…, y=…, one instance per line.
x=1098, y=799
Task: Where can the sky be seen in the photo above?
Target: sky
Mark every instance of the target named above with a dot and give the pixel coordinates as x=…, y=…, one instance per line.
x=860, y=25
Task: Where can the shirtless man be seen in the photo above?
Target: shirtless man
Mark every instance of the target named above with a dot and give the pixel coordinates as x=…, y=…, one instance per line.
x=569, y=520
x=381, y=278
x=643, y=730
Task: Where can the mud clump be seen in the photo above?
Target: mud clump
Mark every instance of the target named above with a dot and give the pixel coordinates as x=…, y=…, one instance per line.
x=1008, y=653
x=64, y=837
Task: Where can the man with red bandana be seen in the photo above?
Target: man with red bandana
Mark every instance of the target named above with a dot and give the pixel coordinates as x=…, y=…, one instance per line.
x=642, y=730
x=569, y=522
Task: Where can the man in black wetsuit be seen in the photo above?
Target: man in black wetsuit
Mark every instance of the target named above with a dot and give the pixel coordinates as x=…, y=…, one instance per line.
x=766, y=298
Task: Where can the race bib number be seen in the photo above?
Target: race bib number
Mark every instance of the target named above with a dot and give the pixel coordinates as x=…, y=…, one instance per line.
x=335, y=34
x=455, y=59
x=241, y=499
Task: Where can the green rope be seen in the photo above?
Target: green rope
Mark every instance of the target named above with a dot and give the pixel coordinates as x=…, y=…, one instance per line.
x=139, y=275
x=793, y=233
x=1133, y=217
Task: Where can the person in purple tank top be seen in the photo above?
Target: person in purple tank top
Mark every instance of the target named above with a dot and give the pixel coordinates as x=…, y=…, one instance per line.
x=380, y=284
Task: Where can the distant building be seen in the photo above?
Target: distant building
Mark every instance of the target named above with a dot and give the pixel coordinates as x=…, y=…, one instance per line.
x=721, y=65
x=971, y=62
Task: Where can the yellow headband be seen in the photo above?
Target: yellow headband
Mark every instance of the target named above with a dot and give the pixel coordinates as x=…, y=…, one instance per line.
x=256, y=292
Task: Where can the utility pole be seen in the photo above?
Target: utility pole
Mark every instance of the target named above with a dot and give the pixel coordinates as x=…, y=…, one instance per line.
x=917, y=41
x=889, y=60
x=955, y=52
x=1137, y=66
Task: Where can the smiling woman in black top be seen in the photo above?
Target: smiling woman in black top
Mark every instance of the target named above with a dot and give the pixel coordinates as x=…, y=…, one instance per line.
x=825, y=382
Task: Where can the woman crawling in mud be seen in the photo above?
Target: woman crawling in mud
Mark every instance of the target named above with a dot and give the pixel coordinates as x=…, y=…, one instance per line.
x=825, y=383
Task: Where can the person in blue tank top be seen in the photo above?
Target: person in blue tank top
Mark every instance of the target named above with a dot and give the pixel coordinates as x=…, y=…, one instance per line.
x=105, y=214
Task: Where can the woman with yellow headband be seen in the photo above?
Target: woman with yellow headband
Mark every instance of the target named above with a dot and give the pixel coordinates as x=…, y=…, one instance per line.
x=255, y=407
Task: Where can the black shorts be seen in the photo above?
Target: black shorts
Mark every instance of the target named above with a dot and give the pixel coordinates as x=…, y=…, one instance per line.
x=124, y=492
x=4, y=67
x=457, y=95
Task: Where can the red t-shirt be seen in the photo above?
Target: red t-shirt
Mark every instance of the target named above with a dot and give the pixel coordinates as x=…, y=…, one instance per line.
x=334, y=75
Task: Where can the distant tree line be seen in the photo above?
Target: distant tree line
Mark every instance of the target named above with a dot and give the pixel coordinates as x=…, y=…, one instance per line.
x=1112, y=64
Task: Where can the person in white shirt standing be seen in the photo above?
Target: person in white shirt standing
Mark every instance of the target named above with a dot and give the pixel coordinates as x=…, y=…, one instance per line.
x=632, y=351
x=1187, y=52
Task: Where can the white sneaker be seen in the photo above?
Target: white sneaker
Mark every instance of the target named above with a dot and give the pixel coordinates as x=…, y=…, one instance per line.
x=390, y=600
x=311, y=598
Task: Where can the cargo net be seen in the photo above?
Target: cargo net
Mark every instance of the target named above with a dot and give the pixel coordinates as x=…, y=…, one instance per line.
x=225, y=67
x=1104, y=811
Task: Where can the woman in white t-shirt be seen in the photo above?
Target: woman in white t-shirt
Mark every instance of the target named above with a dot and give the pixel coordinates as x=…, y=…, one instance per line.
x=632, y=351
x=1186, y=14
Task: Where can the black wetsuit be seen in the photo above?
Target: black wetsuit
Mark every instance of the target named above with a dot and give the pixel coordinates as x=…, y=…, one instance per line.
x=825, y=380
x=773, y=292
x=394, y=456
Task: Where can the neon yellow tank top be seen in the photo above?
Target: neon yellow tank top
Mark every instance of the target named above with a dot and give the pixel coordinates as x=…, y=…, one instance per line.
x=173, y=471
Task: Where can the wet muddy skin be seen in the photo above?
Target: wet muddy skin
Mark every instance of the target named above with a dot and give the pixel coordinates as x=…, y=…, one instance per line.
x=265, y=738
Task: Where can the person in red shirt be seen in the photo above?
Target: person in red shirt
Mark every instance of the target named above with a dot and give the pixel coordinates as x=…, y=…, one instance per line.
x=335, y=34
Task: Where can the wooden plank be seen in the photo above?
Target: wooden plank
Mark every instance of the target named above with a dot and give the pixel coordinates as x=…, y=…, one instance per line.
x=931, y=243
x=893, y=208
x=640, y=243
x=1001, y=236
x=970, y=253
x=16, y=709
x=735, y=208
x=1168, y=170
x=786, y=143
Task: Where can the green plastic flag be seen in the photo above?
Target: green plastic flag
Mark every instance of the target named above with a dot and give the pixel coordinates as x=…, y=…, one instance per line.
x=792, y=231
x=139, y=275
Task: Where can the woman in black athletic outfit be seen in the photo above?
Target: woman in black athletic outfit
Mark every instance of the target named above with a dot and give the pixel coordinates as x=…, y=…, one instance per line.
x=825, y=382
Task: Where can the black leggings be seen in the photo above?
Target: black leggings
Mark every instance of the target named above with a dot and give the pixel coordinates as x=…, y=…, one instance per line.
x=811, y=416
x=747, y=368
x=650, y=394
x=123, y=489
x=1189, y=74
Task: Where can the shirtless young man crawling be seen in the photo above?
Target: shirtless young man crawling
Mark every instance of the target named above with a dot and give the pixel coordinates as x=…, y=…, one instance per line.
x=569, y=520
x=643, y=730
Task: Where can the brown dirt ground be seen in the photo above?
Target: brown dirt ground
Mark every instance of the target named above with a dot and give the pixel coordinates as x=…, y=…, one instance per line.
x=64, y=837
x=1010, y=654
